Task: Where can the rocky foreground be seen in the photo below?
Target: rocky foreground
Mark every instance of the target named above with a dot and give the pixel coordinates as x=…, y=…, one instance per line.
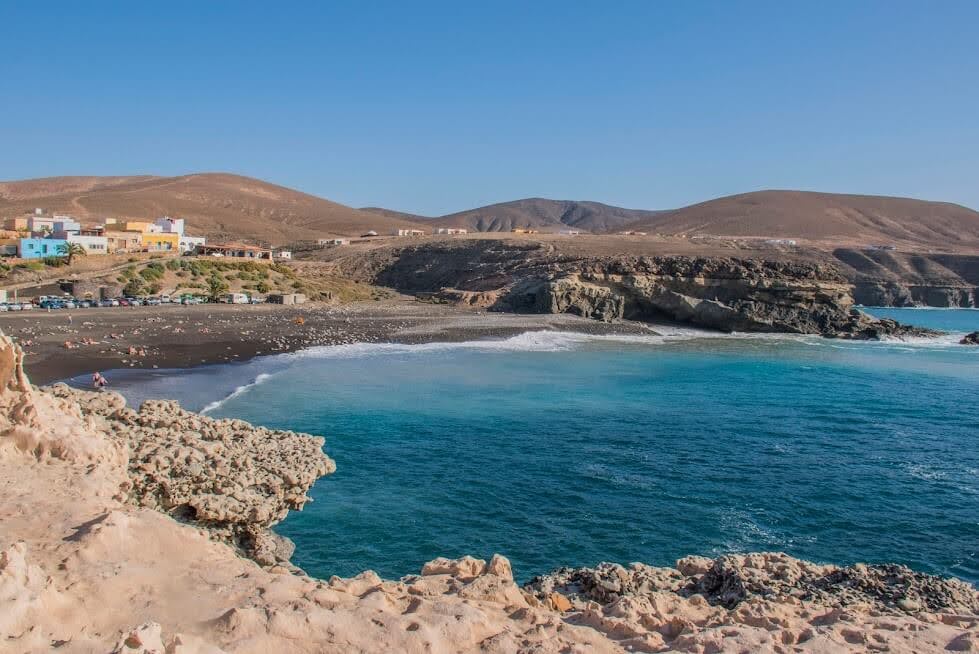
x=149, y=531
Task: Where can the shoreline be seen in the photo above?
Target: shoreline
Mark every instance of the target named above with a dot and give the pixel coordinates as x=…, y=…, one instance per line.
x=185, y=337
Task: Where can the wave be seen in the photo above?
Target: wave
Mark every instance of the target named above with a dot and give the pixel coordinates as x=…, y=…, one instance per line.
x=244, y=388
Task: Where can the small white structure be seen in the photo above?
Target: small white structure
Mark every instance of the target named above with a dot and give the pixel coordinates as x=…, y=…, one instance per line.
x=409, y=232
x=235, y=298
x=333, y=241
x=92, y=244
x=168, y=225
x=368, y=234
x=780, y=241
x=571, y=232
x=191, y=243
x=451, y=231
x=282, y=254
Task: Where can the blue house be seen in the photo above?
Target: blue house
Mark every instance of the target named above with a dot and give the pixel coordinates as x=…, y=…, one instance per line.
x=38, y=248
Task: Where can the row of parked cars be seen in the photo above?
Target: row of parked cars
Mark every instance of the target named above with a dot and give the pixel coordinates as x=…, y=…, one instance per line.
x=51, y=302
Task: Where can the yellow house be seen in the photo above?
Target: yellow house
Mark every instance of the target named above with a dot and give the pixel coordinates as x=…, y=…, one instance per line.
x=160, y=242
x=137, y=226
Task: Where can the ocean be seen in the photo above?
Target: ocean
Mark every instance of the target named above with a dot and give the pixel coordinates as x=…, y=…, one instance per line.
x=564, y=449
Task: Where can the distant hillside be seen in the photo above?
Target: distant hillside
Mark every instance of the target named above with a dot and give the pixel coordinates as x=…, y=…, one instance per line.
x=391, y=213
x=217, y=205
x=844, y=219
x=545, y=215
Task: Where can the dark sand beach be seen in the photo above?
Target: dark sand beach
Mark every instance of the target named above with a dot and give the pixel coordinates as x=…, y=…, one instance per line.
x=66, y=343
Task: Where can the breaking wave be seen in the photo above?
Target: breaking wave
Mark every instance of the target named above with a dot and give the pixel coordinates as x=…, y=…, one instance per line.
x=244, y=388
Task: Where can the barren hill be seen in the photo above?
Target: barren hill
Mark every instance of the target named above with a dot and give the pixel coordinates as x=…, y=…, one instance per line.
x=217, y=205
x=545, y=215
x=858, y=220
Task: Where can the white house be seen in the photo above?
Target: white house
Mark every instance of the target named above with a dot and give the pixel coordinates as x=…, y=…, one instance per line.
x=452, y=231
x=170, y=225
x=65, y=224
x=410, y=232
x=333, y=241
x=92, y=244
x=282, y=254
x=40, y=223
x=190, y=243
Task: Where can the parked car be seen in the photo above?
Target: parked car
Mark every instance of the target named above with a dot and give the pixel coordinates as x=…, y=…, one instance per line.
x=13, y=307
x=26, y=306
x=153, y=301
x=105, y=303
x=4, y=307
x=164, y=299
x=70, y=304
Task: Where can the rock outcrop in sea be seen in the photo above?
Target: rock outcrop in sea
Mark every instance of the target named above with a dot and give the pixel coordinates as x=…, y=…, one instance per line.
x=146, y=531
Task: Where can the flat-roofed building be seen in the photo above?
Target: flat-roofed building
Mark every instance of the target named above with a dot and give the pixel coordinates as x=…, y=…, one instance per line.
x=92, y=244
x=123, y=241
x=237, y=250
x=159, y=242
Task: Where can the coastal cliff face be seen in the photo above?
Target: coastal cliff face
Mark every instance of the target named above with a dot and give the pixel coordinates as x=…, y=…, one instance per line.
x=900, y=279
x=122, y=533
x=723, y=293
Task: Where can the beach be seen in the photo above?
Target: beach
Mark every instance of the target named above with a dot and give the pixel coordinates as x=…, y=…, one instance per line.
x=65, y=343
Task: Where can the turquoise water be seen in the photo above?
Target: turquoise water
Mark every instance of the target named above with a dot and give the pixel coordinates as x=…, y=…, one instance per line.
x=561, y=449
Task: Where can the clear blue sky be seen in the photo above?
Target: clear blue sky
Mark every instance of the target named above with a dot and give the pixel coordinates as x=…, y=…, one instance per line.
x=445, y=106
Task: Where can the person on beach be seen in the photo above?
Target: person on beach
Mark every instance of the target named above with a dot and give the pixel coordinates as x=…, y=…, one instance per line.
x=98, y=381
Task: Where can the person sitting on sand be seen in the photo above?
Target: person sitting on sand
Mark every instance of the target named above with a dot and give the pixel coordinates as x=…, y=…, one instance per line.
x=98, y=381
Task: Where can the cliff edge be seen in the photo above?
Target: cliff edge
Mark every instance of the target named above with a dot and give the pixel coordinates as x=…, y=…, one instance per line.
x=148, y=531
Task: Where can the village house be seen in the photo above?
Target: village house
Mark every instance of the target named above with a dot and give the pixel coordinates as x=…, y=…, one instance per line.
x=410, y=232
x=523, y=230
x=333, y=241
x=65, y=225
x=286, y=298
x=191, y=243
x=92, y=244
x=159, y=242
x=40, y=224
x=8, y=247
x=451, y=231
x=169, y=225
x=122, y=241
x=38, y=248
x=282, y=254
x=17, y=224
x=237, y=250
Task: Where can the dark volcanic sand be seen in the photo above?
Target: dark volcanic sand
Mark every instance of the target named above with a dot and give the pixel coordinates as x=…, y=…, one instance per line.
x=177, y=336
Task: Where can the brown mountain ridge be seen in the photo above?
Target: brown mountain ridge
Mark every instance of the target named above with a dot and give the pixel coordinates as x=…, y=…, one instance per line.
x=217, y=205
x=225, y=206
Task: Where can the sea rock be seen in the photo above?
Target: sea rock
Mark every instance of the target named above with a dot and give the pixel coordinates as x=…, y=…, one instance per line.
x=729, y=581
x=970, y=339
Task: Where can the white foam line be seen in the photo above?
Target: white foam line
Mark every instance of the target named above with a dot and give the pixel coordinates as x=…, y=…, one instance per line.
x=244, y=388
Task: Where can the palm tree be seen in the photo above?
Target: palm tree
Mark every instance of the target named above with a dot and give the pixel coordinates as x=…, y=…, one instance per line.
x=70, y=251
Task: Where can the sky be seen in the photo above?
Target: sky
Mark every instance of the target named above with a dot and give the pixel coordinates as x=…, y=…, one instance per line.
x=434, y=107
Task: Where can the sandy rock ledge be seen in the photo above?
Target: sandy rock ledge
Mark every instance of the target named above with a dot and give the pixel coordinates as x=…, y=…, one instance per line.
x=148, y=531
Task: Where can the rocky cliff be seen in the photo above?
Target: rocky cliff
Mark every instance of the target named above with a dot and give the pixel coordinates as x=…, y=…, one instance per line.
x=901, y=279
x=120, y=534
x=723, y=293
